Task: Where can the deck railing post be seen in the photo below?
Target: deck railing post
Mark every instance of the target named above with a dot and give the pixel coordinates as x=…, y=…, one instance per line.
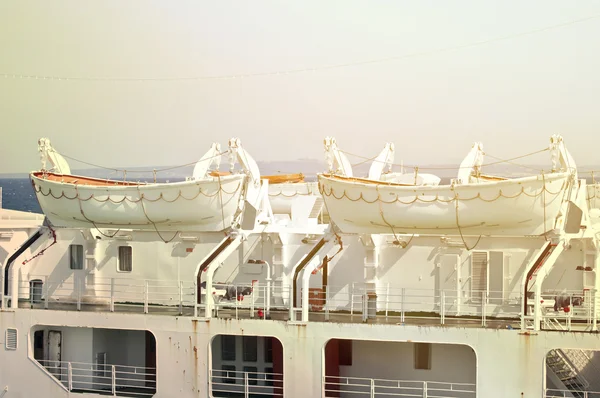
x=402, y=300
x=69, y=376
x=424, y=389
x=352, y=301
x=195, y=300
x=483, y=308
x=79, y=288
x=291, y=303
x=246, y=389
x=180, y=297
x=443, y=307
x=46, y=296
x=326, y=288
x=145, y=297
x=113, y=372
x=387, y=300
x=372, y=388
x=594, y=299
x=112, y=294
x=252, y=301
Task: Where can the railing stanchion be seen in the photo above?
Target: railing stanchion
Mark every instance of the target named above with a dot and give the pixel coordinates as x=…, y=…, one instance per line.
x=326, y=303
x=47, y=296
x=112, y=294
x=443, y=307
x=246, y=389
x=113, y=372
x=424, y=389
x=483, y=308
x=180, y=297
x=372, y=388
x=70, y=376
x=145, y=297
x=79, y=284
x=402, y=299
x=195, y=300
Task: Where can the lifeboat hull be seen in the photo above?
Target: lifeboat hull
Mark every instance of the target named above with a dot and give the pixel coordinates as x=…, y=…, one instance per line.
x=521, y=206
x=81, y=202
x=281, y=196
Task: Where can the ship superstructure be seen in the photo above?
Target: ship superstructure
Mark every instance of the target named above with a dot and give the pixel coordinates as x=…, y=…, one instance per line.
x=236, y=284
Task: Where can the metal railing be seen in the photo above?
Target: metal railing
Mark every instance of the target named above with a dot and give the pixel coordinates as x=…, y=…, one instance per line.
x=111, y=293
x=354, y=302
x=117, y=380
x=552, y=393
x=334, y=386
x=227, y=383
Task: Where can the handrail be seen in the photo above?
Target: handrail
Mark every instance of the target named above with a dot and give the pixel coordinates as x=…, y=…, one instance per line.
x=100, y=378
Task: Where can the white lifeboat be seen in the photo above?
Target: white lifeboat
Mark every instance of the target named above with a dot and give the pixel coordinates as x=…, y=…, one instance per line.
x=207, y=201
x=472, y=204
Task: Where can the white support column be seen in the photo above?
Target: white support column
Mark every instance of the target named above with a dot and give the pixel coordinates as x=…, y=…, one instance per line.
x=372, y=245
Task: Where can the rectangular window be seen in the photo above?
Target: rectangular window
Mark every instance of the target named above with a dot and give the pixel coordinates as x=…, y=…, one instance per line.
x=269, y=377
x=423, y=356
x=76, y=256
x=252, y=375
x=228, y=374
x=125, y=263
x=227, y=348
x=269, y=349
x=250, y=345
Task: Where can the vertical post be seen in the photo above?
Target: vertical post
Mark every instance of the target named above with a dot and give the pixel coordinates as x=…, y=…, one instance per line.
x=47, y=295
x=387, y=300
x=112, y=294
x=268, y=299
x=252, y=300
x=290, y=303
x=145, y=297
x=326, y=302
x=246, y=392
x=594, y=295
x=402, y=298
x=522, y=301
x=372, y=388
x=424, y=389
x=237, y=303
x=180, y=297
x=69, y=376
x=443, y=307
x=79, y=287
x=352, y=301
x=31, y=294
x=483, y=308
x=195, y=300
x=1, y=271
x=113, y=372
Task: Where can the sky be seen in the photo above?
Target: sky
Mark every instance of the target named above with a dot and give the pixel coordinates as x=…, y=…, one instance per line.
x=431, y=98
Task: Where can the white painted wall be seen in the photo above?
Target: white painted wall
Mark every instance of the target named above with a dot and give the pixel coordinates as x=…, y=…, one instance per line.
x=450, y=363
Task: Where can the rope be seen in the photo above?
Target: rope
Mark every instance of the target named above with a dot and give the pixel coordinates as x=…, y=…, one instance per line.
x=500, y=161
x=154, y=171
x=460, y=229
x=153, y=223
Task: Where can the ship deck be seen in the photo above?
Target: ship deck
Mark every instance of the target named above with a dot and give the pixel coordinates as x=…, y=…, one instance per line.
x=421, y=319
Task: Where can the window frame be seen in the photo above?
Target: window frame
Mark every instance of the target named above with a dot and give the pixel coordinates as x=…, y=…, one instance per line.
x=79, y=256
x=130, y=259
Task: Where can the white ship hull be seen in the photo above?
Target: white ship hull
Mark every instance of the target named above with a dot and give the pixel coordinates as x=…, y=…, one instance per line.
x=525, y=206
x=205, y=205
